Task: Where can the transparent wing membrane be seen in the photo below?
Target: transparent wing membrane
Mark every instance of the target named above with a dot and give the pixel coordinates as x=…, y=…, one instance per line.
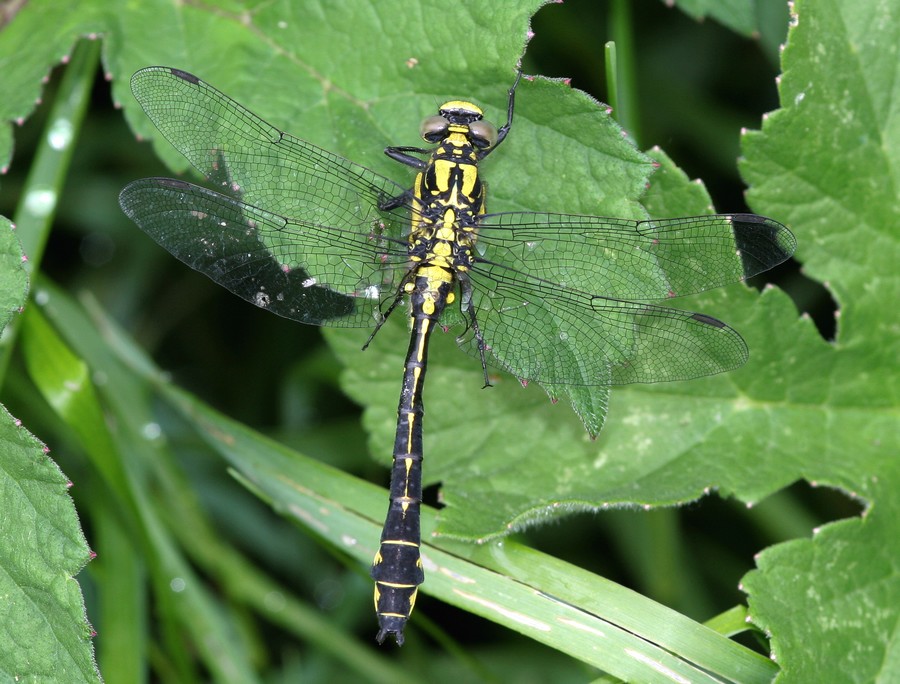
x=539, y=331
x=551, y=290
x=558, y=299
x=244, y=157
x=637, y=260
x=290, y=227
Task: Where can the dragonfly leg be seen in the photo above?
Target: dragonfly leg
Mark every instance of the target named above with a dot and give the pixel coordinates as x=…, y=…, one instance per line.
x=504, y=129
x=404, y=155
x=400, y=200
x=469, y=310
x=398, y=297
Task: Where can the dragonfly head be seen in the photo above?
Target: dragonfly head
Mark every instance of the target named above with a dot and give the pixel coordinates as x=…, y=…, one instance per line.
x=460, y=118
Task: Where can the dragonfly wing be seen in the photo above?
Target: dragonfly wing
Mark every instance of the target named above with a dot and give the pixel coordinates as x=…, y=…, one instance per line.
x=636, y=260
x=542, y=332
x=244, y=157
x=303, y=271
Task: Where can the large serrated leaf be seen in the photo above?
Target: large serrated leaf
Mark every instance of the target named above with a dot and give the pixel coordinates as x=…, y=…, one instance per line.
x=44, y=632
x=827, y=162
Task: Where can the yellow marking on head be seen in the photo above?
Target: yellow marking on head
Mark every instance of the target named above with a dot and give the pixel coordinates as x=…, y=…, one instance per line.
x=462, y=104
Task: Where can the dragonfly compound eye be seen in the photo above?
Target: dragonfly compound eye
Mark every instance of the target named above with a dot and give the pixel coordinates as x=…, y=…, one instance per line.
x=434, y=128
x=483, y=134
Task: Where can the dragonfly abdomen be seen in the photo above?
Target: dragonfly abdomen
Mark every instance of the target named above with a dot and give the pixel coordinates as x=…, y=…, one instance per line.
x=397, y=568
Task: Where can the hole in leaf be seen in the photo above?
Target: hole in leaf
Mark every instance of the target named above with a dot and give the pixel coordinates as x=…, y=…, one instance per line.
x=431, y=495
x=810, y=297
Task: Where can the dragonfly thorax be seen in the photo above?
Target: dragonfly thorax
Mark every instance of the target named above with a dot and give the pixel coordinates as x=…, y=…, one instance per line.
x=447, y=244
x=450, y=197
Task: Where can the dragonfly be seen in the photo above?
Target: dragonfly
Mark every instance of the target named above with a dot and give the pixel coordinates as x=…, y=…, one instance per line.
x=558, y=299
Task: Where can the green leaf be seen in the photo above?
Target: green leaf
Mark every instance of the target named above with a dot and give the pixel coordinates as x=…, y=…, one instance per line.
x=13, y=279
x=43, y=628
x=325, y=74
x=30, y=46
x=320, y=91
x=827, y=162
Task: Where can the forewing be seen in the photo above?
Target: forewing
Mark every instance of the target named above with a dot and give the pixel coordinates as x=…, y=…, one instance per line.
x=635, y=260
x=246, y=158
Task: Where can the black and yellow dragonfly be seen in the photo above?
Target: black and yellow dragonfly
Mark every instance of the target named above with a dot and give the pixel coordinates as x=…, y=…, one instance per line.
x=552, y=298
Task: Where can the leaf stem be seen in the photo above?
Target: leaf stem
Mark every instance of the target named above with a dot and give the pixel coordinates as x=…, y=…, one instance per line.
x=623, y=63
x=43, y=186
